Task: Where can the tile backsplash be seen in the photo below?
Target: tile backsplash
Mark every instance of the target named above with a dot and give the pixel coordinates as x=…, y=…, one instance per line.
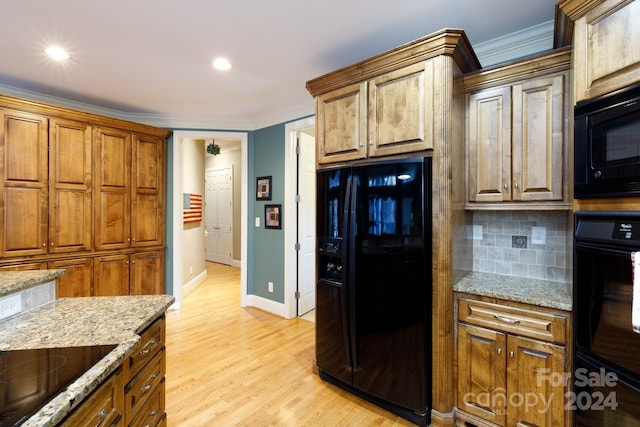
x=505, y=244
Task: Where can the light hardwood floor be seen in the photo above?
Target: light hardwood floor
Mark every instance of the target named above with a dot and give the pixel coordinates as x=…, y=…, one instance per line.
x=233, y=366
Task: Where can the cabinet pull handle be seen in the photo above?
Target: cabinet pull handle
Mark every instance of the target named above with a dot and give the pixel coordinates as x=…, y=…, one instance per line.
x=145, y=389
x=506, y=319
x=147, y=348
x=101, y=416
x=500, y=350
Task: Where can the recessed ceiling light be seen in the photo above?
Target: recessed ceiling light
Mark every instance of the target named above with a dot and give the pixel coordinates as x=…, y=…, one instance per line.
x=221, y=64
x=57, y=53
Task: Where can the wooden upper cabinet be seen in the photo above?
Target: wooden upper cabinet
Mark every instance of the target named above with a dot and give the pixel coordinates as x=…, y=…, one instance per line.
x=489, y=145
x=70, y=186
x=341, y=122
x=386, y=105
x=147, y=198
x=606, y=44
x=401, y=110
x=23, y=184
x=112, y=148
x=517, y=147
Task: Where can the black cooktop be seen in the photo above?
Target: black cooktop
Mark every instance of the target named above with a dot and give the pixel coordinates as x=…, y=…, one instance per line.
x=30, y=378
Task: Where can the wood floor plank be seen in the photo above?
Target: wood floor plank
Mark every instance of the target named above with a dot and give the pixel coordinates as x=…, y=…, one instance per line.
x=229, y=366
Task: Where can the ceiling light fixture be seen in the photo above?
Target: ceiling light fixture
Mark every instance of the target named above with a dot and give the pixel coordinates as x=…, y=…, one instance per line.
x=57, y=53
x=221, y=64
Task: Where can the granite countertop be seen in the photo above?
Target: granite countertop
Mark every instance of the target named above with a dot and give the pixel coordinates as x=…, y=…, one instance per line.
x=68, y=322
x=14, y=281
x=543, y=293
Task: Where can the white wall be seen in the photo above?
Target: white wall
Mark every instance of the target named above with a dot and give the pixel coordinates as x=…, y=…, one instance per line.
x=193, y=268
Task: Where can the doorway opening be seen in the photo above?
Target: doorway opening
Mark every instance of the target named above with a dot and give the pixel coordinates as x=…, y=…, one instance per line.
x=176, y=241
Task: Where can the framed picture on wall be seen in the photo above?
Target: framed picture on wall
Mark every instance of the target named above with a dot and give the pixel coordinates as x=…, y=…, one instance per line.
x=273, y=216
x=263, y=188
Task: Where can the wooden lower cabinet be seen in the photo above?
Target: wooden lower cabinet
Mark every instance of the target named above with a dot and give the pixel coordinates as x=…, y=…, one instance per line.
x=103, y=407
x=144, y=379
x=76, y=281
x=135, y=394
x=129, y=274
x=507, y=378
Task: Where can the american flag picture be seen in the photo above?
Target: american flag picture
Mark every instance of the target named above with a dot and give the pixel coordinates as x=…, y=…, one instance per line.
x=191, y=208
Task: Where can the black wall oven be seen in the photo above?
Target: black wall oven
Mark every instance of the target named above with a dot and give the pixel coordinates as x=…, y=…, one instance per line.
x=606, y=377
x=607, y=145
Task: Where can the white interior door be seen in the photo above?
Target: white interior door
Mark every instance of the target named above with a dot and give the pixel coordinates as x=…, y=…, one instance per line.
x=219, y=215
x=306, y=223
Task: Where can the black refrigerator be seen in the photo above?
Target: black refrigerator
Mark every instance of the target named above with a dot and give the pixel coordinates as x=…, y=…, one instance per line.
x=373, y=288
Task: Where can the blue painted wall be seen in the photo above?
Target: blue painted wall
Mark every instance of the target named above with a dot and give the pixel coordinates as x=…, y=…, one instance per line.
x=266, y=251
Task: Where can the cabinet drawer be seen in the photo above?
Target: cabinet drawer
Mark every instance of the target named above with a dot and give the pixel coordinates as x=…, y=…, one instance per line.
x=152, y=412
x=540, y=325
x=140, y=388
x=102, y=408
x=151, y=340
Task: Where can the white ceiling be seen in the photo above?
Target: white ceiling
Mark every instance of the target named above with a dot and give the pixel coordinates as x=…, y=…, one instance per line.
x=152, y=58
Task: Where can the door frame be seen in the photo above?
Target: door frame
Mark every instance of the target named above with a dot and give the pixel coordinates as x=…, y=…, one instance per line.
x=290, y=218
x=177, y=249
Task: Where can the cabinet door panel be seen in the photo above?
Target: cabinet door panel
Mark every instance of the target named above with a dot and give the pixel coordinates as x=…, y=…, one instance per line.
x=147, y=220
x=341, y=121
x=482, y=373
x=401, y=111
x=112, y=188
x=77, y=279
x=147, y=273
x=70, y=202
x=111, y=275
x=538, y=139
x=489, y=145
x=23, y=184
x=536, y=393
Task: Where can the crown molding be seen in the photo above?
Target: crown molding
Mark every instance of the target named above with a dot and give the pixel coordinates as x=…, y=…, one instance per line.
x=528, y=41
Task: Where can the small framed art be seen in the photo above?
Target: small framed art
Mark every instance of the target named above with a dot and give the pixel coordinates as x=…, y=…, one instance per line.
x=273, y=216
x=263, y=188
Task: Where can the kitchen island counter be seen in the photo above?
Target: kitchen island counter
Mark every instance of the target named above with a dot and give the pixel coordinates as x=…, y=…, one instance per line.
x=85, y=321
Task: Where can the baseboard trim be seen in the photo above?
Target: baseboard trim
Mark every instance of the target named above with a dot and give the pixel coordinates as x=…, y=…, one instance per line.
x=267, y=305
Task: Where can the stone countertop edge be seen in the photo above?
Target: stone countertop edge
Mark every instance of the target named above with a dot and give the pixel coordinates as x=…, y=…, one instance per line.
x=543, y=293
x=16, y=281
x=82, y=321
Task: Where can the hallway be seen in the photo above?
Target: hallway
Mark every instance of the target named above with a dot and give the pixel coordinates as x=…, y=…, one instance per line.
x=229, y=366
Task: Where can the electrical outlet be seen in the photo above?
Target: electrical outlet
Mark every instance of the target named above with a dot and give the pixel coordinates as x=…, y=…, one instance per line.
x=538, y=235
x=477, y=232
x=271, y=287
x=191, y=270
x=10, y=305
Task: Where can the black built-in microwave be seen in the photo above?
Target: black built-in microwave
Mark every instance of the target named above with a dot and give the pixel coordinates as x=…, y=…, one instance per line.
x=607, y=145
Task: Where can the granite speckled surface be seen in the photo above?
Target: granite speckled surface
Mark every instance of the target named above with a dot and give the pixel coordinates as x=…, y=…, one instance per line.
x=543, y=293
x=82, y=321
x=14, y=281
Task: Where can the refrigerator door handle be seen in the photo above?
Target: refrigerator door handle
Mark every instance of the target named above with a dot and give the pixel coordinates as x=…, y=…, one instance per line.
x=351, y=291
x=345, y=275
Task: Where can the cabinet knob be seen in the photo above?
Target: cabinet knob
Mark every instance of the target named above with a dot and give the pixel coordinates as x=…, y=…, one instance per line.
x=52, y=244
x=506, y=186
x=44, y=245
x=511, y=354
x=500, y=350
x=516, y=185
